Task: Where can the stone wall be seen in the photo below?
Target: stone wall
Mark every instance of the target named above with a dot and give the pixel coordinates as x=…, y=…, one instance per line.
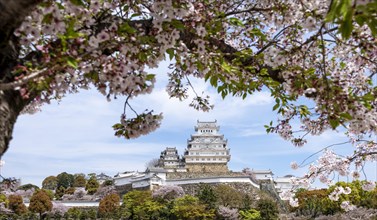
x=123, y=189
x=188, y=175
x=245, y=188
x=207, y=168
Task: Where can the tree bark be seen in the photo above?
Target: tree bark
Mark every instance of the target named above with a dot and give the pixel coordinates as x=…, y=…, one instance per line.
x=11, y=104
x=12, y=13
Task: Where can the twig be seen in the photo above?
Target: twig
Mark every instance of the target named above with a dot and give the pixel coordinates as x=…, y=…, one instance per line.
x=332, y=145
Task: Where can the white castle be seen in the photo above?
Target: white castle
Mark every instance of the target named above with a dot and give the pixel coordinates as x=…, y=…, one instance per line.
x=206, y=151
x=205, y=160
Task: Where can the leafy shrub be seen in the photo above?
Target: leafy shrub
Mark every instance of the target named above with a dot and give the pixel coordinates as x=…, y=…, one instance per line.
x=16, y=204
x=268, y=209
x=250, y=214
x=109, y=205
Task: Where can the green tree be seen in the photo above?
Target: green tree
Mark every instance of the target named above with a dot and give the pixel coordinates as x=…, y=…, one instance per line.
x=109, y=205
x=65, y=180
x=28, y=186
x=16, y=204
x=73, y=213
x=228, y=196
x=190, y=208
x=50, y=182
x=314, y=203
x=108, y=183
x=132, y=200
x=207, y=195
x=246, y=202
x=70, y=191
x=40, y=203
x=153, y=210
x=79, y=181
x=357, y=196
x=59, y=192
x=268, y=209
x=92, y=185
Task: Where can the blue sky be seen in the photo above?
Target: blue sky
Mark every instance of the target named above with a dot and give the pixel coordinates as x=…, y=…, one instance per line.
x=75, y=135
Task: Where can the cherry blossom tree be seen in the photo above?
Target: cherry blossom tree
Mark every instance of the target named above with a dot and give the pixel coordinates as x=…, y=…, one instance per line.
x=228, y=213
x=168, y=192
x=317, y=59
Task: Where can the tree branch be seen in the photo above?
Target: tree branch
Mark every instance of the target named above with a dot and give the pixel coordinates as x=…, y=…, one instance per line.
x=24, y=80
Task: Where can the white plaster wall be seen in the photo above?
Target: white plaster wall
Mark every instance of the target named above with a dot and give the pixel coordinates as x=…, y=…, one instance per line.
x=140, y=184
x=119, y=181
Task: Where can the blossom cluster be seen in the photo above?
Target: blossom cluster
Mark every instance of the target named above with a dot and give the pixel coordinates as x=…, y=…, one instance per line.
x=168, y=192
x=347, y=206
x=135, y=127
x=334, y=196
x=59, y=208
x=369, y=186
x=289, y=196
x=228, y=213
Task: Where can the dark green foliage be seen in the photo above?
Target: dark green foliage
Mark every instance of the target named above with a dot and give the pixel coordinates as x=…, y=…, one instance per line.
x=59, y=192
x=28, y=186
x=73, y=213
x=107, y=183
x=50, y=183
x=92, y=185
x=65, y=180
x=314, y=203
x=228, y=196
x=268, y=209
x=246, y=202
x=79, y=181
x=81, y=213
x=207, y=195
x=70, y=191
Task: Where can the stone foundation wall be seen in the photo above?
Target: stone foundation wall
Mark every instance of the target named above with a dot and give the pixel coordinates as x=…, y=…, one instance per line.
x=201, y=175
x=123, y=189
x=244, y=188
x=207, y=168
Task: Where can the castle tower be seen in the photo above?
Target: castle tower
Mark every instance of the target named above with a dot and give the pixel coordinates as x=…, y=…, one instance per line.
x=207, y=149
x=170, y=160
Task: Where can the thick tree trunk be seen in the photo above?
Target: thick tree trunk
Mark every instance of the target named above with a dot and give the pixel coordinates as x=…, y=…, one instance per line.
x=12, y=13
x=11, y=104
